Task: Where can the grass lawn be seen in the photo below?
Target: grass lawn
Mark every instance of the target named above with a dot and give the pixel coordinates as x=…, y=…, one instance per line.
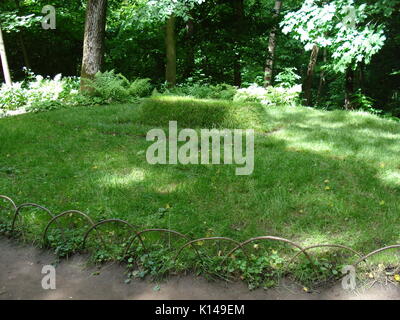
x=319, y=177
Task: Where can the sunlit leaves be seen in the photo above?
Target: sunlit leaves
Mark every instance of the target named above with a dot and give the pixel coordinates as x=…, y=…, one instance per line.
x=341, y=26
x=11, y=22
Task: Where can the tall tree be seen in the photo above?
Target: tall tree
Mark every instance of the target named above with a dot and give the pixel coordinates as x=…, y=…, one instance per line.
x=322, y=76
x=170, y=45
x=349, y=89
x=190, y=55
x=238, y=7
x=167, y=11
x=4, y=61
x=345, y=28
x=93, y=44
x=269, y=65
x=307, y=85
x=21, y=41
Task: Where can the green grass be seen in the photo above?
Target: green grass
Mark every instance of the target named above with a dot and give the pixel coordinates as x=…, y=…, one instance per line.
x=319, y=177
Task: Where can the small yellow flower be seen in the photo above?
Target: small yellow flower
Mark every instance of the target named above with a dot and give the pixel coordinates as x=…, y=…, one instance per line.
x=397, y=277
x=327, y=188
x=326, y=181
x=382, y=203
x=305, y=289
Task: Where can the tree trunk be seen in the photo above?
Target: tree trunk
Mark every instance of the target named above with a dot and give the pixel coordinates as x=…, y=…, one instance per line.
x=359, y=78
x=93, y=44
x=170, y=44
x=4, y=61
x=24, y=51
x=307, y=85
x=22, y=42
x=349, y=88
x=269, y=65
x=190, y=48
x=238, y=7
x=322, y=77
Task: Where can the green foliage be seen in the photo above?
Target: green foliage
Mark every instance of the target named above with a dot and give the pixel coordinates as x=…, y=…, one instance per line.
x=140, y=88
x=12, y=97
x=324, y=268
x=67, y=243
x=364, y=103
x=11, y=22
x=204, y=91
x=258, y=270
x=288, y=78
x=271, y=96
x=340, y=25
x=37, y=93
x=110, y=87
x=156, y=263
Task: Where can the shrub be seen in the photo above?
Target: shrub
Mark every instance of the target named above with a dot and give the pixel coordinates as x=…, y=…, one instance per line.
x=12, y=97
x=364, y=103
x=204, y=91
x=43, y=94
x=140, y=88
x=111, y=87
x=38, y=93
x=269, y=96
x=287, y=78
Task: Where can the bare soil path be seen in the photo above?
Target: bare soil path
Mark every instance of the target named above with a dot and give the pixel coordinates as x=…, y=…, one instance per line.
x=20, y=278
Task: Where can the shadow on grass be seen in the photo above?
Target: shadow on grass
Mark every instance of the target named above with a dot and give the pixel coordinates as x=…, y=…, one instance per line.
x=318, y=179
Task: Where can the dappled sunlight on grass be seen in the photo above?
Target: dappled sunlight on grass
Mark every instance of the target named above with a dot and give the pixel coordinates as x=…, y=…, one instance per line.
x=329, y=177
x=391, y=177
x=118, y=179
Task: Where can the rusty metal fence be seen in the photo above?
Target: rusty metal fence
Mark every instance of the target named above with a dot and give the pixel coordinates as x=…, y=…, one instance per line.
x=138, y=234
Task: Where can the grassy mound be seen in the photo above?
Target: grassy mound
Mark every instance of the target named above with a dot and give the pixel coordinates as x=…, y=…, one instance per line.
x=319, y=177
x=200, y=113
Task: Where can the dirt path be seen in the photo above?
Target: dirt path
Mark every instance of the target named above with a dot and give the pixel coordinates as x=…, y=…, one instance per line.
x=20, y=278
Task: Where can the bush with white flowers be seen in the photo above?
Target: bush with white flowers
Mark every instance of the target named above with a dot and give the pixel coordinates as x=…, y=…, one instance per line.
x=269, y=96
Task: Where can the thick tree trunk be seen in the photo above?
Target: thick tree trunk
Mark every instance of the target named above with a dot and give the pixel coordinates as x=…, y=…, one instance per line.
x=269, y=65
x=307, y=85
x=349, y=88
x=93, y=44
x=190, y=48
x=238, y=7
x=4, y=61
x=170, y=45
